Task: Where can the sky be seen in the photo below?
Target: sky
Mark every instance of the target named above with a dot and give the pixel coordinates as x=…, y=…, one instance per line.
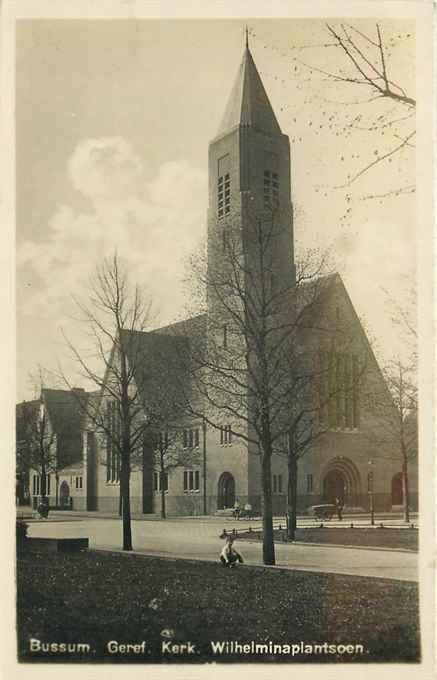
x=113, y=121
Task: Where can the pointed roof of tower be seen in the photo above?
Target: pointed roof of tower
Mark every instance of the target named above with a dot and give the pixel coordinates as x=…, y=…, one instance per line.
x=248, y=103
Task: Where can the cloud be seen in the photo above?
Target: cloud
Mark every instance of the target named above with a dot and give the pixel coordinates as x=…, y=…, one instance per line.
x=106, y=168
x=153, y=222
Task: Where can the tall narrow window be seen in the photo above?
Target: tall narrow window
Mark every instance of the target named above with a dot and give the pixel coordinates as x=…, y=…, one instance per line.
x=309, y=483
x=332, y=402
x=277, y=483
x=339, y=394
x=225, y=336
x=223, y=187
x=355, y=392
x=271, y=189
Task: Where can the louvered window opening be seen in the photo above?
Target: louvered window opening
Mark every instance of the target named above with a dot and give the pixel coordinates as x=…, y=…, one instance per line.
x=271, y=189
x=224, y=195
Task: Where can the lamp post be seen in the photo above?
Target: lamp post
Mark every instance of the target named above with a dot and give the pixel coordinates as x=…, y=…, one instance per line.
x=370, y=492
x=205, y=505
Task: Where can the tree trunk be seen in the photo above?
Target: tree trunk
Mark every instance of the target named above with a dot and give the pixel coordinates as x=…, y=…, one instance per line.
x=291, y=497
x=268, y=541
x=405, y=485
x=126, y=517
x=161, y=481
x=43, y=482
x=406, y=490
x=57, y=489
x=120, y=500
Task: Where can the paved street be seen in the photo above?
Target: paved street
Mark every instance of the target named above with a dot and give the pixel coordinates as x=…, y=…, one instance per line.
x=199, y=539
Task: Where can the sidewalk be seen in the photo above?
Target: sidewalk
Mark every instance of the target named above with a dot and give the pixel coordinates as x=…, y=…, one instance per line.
x=179, y=541
x=28, y=513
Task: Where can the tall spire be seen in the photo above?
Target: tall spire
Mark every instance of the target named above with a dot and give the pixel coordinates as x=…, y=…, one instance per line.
x=248, y=104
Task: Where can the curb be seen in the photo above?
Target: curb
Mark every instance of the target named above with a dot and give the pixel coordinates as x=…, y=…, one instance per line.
x=339, y=545
x=246, y=565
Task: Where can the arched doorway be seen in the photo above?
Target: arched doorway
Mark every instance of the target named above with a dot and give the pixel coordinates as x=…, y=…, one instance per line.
x=397, y=491
x=334, y=486
x=64, y=494
x=341, y=479
x=226, y=491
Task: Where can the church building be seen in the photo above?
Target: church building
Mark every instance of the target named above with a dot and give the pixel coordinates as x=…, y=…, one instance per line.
x=249, y=175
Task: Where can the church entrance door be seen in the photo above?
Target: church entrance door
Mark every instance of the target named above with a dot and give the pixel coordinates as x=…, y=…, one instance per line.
x=334, y=486
x=226, y=491
x=64, y=495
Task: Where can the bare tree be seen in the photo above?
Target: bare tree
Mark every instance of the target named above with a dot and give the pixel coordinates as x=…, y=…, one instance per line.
x=115, y=316
x=36, y=442
x=365, y=97
x=395, y=414
x=257, y=369
x=169, y=455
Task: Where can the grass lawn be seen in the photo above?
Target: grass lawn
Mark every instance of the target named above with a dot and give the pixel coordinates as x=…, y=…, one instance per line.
x=366, y=537
x=97, y=597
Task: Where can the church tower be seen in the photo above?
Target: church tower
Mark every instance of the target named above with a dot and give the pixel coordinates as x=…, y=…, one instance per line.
x=249, y=203
x=249, y=185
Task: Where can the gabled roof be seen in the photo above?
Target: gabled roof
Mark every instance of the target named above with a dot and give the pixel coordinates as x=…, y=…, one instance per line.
x=160, y=360
x=248, y=104
x=190, y=328
x=26, y=413
x=65, y=408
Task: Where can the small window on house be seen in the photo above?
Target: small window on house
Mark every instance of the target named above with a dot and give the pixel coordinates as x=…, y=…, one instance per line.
x=225, y=336
x=191, y=480
x=163, y=441
x=191, y=438
x=160, y=481
x=309, y=483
